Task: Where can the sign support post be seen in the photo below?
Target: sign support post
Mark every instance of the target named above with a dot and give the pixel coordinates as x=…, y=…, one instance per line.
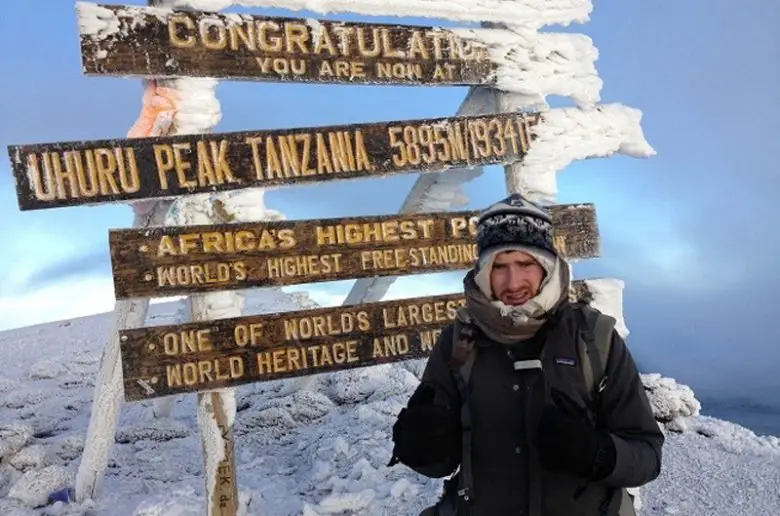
x=108, y=398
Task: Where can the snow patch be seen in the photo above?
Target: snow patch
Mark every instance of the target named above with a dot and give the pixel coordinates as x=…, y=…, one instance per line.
x=95, y=21
x=346, y=502
x=160, y=430
x=8, y=477
x=198, y=109
x=672, y=402
x=532, y=65
x=10, y=507
x=46, y=369
x=608, y=298
x=568, y=134
x=24, y=397
x=531, y=13
x=36, y=456
x=99, y=23
x=34, y=488
x=13, y=438
x=7, y=384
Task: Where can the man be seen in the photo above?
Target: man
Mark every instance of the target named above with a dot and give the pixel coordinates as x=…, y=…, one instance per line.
x=530, y=439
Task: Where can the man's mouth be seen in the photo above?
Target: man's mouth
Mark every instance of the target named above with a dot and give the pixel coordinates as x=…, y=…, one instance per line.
x=517, y=298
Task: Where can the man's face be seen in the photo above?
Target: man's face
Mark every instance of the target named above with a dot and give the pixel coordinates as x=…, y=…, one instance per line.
x=515, y=278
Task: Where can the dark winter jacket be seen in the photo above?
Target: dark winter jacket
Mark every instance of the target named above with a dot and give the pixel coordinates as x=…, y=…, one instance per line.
x=505, y=406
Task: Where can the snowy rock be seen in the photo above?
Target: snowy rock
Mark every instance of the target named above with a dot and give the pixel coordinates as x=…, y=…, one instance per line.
x=13, y=438
x=377, y=382
x=8, y=477
x=69, y=448
x=159, y=431
x=271, y=417
x=46, y=369
x=36, y=456
x=24, y=397
x=73, y=381
x=6, y=385
x=34, y=488
x=670, y=400
x=298, y=407
x=10, y=507
x=349, y=503
x=45, y=426
x=348, y=387
x=402, y=488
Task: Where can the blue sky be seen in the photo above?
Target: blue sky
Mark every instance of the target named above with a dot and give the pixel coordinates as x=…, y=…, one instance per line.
x=692, y=231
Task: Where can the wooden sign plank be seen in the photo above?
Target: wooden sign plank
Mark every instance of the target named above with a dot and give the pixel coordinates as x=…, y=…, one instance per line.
x=123, y=40
x=175, y=260
x=159, y=361
x=51, y=175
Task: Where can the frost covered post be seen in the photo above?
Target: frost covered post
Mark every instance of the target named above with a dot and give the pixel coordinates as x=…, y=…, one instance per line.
x=217, y=408
x=108, y=395
x=107, y=399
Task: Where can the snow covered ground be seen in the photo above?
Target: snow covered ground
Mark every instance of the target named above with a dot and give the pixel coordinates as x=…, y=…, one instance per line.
x=314, y=446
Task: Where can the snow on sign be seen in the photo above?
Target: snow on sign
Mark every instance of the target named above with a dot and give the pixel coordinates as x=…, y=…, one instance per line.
x=163, y=360
x=154, y=42
x=174, y=260
x=51, y=175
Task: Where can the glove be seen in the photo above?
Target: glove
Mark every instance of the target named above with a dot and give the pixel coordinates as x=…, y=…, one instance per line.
x=568, y=442
x=425, y=433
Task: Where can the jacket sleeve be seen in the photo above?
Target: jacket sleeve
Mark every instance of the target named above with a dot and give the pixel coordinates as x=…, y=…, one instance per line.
x=437, y=373
x=626, y=414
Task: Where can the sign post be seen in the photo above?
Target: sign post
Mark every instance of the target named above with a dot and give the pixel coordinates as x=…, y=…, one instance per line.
x=58, y=174
x=143, y=42
x=178, y=260
x=107, y=397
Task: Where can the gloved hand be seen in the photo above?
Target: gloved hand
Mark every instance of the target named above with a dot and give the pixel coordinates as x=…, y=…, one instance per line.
x=425, y=433
x=568, y=442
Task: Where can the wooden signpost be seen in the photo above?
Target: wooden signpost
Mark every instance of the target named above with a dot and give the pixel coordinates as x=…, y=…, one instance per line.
x=175, y=260
x=51, y=175
x=142, y=41
x=207, y=355
x=164, y=360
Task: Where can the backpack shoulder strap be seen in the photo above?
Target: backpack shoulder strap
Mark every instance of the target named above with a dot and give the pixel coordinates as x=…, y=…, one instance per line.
x=463, y=348
x=596, y=331
x=460, y=362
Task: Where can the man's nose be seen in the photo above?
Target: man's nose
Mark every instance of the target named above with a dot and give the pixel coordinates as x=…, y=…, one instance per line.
x=514, y=278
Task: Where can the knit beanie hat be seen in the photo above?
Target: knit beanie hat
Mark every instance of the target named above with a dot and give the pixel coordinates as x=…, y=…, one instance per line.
x=514, y=224
x=514, y=220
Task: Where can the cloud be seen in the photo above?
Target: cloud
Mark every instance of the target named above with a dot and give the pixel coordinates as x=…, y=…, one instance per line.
x=65, y=299
x=88, y=263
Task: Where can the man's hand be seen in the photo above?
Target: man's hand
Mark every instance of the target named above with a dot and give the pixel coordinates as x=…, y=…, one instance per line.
x=568, y=442
x=425, y=433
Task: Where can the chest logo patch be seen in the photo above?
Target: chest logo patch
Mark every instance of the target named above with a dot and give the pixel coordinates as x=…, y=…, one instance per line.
x=565, y=361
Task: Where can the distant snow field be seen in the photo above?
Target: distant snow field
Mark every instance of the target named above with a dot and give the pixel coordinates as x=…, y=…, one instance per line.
x=308, y=446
